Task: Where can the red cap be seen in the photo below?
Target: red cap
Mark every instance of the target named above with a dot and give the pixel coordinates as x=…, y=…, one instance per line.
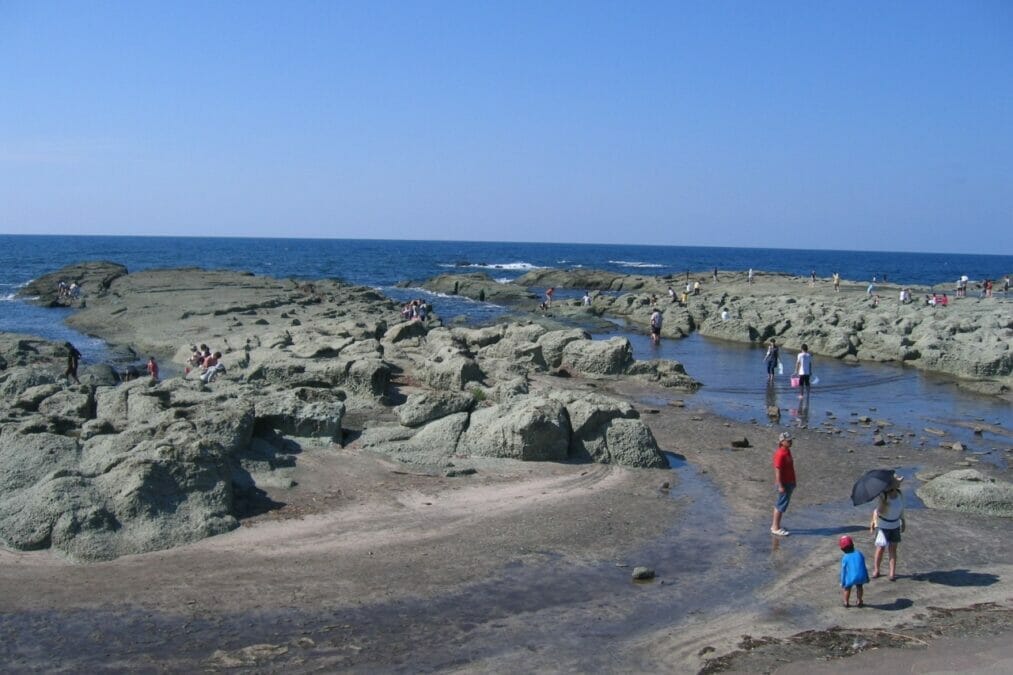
x=845, y=542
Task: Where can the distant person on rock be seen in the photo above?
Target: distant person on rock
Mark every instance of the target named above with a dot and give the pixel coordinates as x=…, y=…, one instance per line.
x=73, y=359
x=749, y=276
x=548, y=296
x=837, y=282
x=153, y=368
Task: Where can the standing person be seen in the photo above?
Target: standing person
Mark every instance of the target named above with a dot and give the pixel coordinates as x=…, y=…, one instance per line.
x=772, y=359
x=837, y=282
x=889, y=519
x=671, y=294
x=854, y=574
x=812, y=278
x=749, y=276
x=1005, y=286
x=548, y=296
x=656, y=326
x=715, y=275
x=153, y=368
x=73, y=358
x=784, y=481
x=804, y=369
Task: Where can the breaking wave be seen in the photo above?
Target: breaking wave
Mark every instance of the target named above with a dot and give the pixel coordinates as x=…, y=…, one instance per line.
x=633, y=263
x=493, y=266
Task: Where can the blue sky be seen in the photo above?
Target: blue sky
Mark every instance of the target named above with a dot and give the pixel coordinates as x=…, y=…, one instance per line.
x=868, y=126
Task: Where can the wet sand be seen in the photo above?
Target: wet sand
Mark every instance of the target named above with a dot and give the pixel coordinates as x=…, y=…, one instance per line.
x=521, y=567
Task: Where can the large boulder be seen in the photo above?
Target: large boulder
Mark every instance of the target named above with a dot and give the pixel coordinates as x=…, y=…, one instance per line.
x=969, y=491
x=599, y=357
x=423, y=408
x=665, y=372
x=528, y=428
x=449, y=371
x=301, y=412
x=609, y=431
x=631, y=443
x=554, y=343
x=69, y=403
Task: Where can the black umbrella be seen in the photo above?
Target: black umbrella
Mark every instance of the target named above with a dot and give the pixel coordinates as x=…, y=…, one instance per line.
x=871, y=485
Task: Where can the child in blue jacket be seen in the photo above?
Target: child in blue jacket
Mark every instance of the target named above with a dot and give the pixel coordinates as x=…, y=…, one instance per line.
x=853, y=570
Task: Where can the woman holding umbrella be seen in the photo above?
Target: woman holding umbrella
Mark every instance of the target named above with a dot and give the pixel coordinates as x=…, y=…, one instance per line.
x=889, y=518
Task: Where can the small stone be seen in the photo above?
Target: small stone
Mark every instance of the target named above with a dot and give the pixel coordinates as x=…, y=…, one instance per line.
x=958, y=446
x=666, y=485
x=642, y=573
x=740, y=443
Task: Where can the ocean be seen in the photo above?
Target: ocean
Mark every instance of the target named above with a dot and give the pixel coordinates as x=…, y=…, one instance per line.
x=732, y=373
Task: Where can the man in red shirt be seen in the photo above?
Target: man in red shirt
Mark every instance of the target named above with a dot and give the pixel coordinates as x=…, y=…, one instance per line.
x=784, y=480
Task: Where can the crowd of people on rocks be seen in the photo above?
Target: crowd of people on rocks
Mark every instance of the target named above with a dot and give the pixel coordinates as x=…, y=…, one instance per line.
x=70, y=291
x=417, y=309
x=204, y=361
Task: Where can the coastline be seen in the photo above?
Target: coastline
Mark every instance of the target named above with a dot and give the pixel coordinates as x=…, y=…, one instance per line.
x=504, y=535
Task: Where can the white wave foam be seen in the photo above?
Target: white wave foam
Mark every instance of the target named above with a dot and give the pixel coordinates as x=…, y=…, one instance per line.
x=504, y=280
x=634, y=263
x=494, y=266
x=421, y=292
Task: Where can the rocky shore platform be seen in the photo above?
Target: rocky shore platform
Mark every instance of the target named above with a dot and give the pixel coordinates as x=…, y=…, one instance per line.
x=970, y=339
x=357, y=492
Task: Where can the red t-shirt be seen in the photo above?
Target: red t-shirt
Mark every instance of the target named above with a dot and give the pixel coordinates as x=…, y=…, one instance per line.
x=784, y=462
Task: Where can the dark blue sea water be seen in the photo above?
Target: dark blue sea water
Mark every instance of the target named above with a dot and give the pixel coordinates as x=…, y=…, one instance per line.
x=732, y=373
x=384, y=263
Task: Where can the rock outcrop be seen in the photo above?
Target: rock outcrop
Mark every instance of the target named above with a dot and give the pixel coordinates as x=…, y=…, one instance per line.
x=103, y=469
x=971, y=338
x=92, y=277
x=968, y=491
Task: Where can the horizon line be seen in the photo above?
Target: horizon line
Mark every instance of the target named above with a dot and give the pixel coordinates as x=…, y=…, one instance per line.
x=491, y=241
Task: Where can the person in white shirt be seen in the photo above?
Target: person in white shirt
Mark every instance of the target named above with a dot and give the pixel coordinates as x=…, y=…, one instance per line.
x=804, y=368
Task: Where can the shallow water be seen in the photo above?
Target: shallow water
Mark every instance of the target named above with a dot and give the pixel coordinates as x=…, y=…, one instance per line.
x=735, y=386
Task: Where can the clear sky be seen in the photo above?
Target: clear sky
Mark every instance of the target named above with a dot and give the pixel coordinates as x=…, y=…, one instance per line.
x=848, y=125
